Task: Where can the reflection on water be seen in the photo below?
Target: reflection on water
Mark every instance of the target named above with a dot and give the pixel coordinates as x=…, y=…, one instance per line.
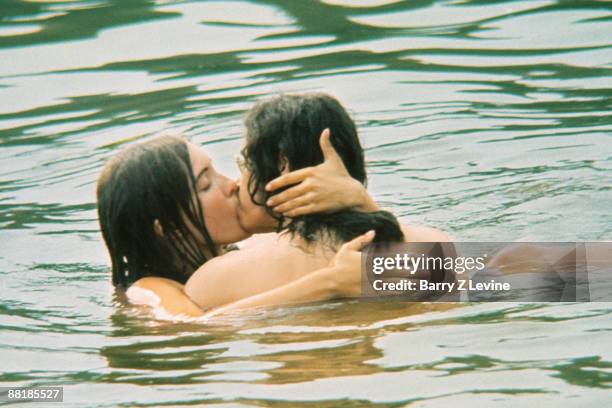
x=490, y=120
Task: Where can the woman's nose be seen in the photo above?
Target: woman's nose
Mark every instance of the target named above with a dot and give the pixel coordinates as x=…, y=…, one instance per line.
x=230, y=186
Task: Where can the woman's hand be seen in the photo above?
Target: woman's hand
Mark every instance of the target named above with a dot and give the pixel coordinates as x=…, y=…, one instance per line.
x=345, y=268
x=324, y=188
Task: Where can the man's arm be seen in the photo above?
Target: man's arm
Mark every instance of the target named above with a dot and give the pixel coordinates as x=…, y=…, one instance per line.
x=342, y=278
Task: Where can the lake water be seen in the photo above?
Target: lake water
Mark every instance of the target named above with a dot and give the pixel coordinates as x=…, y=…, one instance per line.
x=490, y=120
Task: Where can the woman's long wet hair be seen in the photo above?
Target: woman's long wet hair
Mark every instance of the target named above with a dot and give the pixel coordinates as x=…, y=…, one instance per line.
x=147, y=184
x=288, y=128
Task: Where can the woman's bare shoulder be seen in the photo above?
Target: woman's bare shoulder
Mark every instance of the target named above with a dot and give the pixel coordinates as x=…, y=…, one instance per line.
x=416, y=233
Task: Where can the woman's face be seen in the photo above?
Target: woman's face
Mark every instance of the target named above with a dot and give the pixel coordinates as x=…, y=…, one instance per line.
x=218, y=198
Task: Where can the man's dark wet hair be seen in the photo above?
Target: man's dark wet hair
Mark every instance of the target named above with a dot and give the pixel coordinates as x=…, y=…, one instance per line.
x=147, y=182
x=288, y=127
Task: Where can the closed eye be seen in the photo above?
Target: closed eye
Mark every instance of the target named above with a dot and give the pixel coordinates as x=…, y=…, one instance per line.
x=204, y=184
x=202, y=179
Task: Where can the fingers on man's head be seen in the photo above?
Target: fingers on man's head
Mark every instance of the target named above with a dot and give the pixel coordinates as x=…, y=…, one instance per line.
x=325, y=143
x=294, y=177
x=361, y=241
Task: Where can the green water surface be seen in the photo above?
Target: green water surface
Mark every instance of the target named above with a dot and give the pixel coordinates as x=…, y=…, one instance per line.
x=491, y=120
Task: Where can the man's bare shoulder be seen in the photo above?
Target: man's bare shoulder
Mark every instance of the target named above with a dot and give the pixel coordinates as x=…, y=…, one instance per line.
x=258, y=240
x=259, y=251
x=415, y=233
x=231, y=276
x=210, y=285
x=260, y=246
x=216, y=266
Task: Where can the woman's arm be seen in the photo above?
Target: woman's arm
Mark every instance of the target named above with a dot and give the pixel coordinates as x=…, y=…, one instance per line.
x=327, y=187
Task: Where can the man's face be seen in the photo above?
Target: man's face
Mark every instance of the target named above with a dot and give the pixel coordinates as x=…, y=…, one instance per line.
x=252, y=217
